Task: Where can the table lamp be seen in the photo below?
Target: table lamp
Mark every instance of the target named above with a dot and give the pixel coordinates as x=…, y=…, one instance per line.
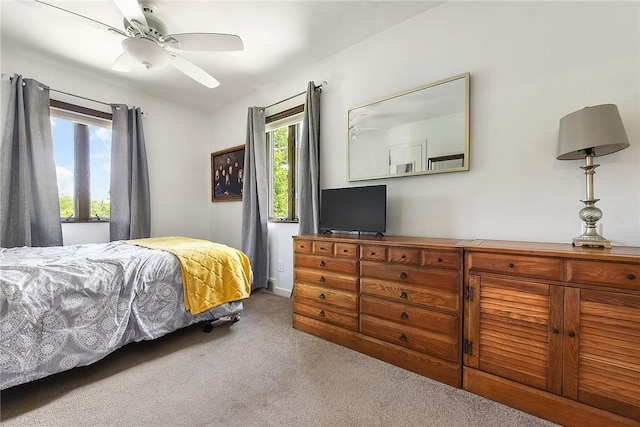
x=588, y=133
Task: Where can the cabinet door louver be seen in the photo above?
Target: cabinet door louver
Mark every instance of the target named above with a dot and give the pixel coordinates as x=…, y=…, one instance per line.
x=607, y=369
x=514, y=328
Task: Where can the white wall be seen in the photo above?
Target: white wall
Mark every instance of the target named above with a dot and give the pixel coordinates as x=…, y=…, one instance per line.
x=531, y=63
x=177, y=140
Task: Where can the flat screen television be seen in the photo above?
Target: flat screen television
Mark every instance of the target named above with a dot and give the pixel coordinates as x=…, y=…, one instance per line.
x=362, y=209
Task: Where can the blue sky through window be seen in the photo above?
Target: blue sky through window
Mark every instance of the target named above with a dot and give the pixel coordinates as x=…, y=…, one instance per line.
x=99, y=162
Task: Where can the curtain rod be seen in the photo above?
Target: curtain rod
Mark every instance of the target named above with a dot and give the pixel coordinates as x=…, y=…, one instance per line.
x=9, y=78
x=324, y=83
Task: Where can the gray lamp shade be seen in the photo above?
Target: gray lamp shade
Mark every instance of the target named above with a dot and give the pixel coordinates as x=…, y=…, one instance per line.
x=597, y=128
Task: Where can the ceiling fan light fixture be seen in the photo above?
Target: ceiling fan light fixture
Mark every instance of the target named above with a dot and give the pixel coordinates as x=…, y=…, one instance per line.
x=146, y=52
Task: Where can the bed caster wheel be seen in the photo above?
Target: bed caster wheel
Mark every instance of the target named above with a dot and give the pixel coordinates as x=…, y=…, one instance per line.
x=208, y=327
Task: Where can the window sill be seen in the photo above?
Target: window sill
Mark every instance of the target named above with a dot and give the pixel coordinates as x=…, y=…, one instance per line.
x=89, y=221
x=283, y=221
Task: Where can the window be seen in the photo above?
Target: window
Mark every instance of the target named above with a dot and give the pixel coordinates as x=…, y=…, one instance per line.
x=82, y=152
x=283, y=141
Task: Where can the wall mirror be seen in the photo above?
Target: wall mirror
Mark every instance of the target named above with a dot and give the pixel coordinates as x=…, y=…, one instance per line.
x=424, y=130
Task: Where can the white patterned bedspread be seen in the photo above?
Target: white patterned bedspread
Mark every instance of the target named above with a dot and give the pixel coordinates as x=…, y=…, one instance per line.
x=69, y=306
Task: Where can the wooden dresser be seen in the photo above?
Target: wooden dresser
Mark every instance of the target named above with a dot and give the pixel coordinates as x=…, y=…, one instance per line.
x=550, y=329
x=554, y=330
x=398, y=299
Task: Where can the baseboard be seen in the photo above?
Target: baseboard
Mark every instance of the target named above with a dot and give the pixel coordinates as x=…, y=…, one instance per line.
x=282, y=292
x=272, y=286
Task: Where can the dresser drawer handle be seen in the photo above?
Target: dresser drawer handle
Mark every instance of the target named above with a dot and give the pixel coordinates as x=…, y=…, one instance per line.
x=345, y=250
x=403, y=256
x=322, y=248
x=372, y=253
x=439, y=259
x=321, y=279
x=321, y=313
x=403, y=275
x=322, y=264
x=556, y=331
x=321, y=296
x=511, y=265
x=572, y=334
x=404, y=315
x=632, y=277
x=403, y=295
x=402, y=338
x=301, y=246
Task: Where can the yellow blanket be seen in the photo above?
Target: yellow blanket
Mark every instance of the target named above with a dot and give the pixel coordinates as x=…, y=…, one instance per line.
x=212, y=273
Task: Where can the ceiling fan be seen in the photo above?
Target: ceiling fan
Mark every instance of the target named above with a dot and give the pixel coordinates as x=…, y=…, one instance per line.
x=148, y=44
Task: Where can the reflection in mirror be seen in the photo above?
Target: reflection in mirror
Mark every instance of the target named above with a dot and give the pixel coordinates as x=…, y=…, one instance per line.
x=421, y=131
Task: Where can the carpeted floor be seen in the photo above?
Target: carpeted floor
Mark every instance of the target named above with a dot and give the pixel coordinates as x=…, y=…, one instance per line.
x=256, y=372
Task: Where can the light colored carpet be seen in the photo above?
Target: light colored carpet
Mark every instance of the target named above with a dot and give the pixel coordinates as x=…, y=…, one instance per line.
x=256, y=372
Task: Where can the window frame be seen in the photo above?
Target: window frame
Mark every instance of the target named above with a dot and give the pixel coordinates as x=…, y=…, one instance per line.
x=292, y=118
x=82, y=118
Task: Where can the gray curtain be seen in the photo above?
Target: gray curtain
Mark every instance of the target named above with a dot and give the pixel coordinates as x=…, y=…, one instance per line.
x=308, y=167
x=255, y=204
x=29, y=205
x=130, y=200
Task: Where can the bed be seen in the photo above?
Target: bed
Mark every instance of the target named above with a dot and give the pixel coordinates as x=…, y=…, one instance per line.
x=68, y=306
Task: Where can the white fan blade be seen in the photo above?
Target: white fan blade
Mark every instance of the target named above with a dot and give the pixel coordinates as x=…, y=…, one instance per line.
x=214, y=42
x=87, y=20
x=132, y=11
x=193, y=71
x=124, y=63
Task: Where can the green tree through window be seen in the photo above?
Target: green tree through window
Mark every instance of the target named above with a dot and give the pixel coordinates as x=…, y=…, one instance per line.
x=280, y=172
x=283, y=135
x=66, y=206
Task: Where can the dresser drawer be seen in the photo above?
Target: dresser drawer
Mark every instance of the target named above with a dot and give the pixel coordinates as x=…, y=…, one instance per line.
x=408, y=315
x=302, y=246
x=439, y=259
x=418, y=276
x=311, y=294
x=530, y=266
x=323, y=248
x=348, y=250
x=619, y=275
x=329, y=314
x=438, y=299
x=327, y=263
x=332, y=280
x=429, y=342
x=407, y=256
x=374, y=253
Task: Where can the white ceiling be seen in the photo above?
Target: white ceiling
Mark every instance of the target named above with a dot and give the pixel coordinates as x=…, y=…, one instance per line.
x=280, y=39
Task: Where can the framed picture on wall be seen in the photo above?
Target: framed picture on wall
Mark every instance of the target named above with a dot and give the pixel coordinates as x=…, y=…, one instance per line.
x=227, y=174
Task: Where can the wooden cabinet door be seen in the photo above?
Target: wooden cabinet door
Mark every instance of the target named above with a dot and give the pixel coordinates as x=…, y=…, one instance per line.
x=513, y=330
x=602, y=350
